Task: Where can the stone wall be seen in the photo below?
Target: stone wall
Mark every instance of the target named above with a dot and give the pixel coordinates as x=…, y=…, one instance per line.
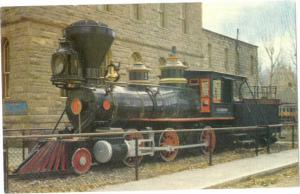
x=33, y=34
x=244, y=66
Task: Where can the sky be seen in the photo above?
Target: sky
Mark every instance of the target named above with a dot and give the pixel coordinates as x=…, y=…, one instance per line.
x=259, y=22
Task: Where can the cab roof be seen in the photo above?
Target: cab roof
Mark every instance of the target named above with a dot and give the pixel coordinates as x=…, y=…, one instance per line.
x=214, y=74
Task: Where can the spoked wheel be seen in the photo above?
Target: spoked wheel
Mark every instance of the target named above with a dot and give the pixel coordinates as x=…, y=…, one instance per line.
x=81, y=161
x=208, y=137
x=168, y=138
x=130, y=161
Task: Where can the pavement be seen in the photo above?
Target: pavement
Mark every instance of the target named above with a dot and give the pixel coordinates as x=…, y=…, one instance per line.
x=233, y=171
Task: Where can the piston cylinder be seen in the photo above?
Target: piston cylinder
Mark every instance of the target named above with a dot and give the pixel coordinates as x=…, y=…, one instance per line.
x=105, y=151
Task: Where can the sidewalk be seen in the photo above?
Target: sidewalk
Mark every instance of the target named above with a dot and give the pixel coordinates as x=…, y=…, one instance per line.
x=213, y=175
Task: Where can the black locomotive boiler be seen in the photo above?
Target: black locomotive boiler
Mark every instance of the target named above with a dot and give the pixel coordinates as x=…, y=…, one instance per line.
x=183, y=99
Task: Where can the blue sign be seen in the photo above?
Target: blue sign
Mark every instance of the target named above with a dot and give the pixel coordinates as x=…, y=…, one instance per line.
x=15, y=108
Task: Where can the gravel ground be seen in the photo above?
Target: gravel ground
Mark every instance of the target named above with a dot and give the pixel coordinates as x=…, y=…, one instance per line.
x=288, y=177
x=100, y=176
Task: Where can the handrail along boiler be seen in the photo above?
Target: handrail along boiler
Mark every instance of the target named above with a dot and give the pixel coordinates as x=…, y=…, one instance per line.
x=183, y=99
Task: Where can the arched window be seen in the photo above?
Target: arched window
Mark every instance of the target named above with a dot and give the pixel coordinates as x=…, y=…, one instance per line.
x=107, y=7
x=5, y=68
x=136, y=11
x=162, y=15
x=136, y=57
x=184, y=11
x=209, y=55
x=252, y=65
x=226, y=59
x=237, y=62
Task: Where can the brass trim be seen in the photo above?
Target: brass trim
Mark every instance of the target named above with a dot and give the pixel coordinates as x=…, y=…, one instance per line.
x=138, y=70
x=173, y=67
x=173, y=81
x=138, y=82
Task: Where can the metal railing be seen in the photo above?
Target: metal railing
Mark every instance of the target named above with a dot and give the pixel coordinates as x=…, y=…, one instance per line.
x=268, y=92
x=107, y=133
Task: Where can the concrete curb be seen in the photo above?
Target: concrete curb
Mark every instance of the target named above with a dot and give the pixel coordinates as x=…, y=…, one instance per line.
x=258, y=174
x=213, y=176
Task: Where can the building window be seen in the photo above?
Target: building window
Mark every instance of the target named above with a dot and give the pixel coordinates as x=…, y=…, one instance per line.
x=5, y=68
x=217, y=91
x=107, y=7
x=209, y=55
x=237, y=63
x=226, y=59
x=184, y=18
x=252, y=65
x=137, y=11
x=162, y=15
x=107, y=60
x=136, y=58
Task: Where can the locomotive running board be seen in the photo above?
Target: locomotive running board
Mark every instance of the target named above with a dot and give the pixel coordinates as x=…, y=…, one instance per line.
x=179, y=120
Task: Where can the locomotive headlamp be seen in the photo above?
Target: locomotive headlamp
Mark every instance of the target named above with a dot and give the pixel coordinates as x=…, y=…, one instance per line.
x=76, y=106
x=58, y=64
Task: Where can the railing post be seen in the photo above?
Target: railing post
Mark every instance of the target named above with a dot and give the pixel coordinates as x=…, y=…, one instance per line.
x=268, y=139
x=23, y=149
x=293, y=136
x=79, y=123
x=5, y=154
x=256, y=148
x=136, y=159
x=210, y=150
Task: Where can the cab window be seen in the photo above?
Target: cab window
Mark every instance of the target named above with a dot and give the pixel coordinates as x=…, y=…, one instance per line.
x=217, y=91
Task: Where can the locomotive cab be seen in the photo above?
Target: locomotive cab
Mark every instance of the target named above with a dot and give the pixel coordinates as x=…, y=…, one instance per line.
x=216, y=91
x=226, y=96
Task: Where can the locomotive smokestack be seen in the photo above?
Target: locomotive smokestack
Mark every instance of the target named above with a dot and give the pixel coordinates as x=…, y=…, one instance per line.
x=91, y=40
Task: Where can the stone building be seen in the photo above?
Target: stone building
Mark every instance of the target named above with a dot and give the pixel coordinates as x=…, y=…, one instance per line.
x=30, y=35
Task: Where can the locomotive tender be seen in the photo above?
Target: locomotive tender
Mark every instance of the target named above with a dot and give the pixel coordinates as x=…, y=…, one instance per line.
x=183, y=99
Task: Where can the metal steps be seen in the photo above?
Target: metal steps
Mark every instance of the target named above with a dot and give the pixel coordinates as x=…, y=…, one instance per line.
x=243, y=140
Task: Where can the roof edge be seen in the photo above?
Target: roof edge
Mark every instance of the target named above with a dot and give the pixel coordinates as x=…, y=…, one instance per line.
x=209, y=31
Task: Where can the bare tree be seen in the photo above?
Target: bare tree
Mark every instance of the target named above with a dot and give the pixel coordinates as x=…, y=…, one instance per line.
x=274, y=59
x=291, y=33
x=293, y=46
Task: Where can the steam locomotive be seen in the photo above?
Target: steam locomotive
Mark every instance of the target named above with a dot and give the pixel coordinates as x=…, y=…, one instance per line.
x=183, y=99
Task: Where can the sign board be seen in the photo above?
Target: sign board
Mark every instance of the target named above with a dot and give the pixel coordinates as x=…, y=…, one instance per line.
x=15, y=108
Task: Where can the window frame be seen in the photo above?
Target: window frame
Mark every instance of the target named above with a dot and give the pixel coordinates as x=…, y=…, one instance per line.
x=252, y=62
x=226, y=59
x=184, y=18
x=162, y=15
x=217, y=91
x=107, y=7
x=209, y=53
x=136, y=8
x=5, y=68
x=105, y=63
x=237, y=62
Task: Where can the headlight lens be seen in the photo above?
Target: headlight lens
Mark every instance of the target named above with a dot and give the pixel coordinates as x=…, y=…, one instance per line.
x=58, y=64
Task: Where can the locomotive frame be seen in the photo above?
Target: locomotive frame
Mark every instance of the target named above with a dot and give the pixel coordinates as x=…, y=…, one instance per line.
x=184, y=99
